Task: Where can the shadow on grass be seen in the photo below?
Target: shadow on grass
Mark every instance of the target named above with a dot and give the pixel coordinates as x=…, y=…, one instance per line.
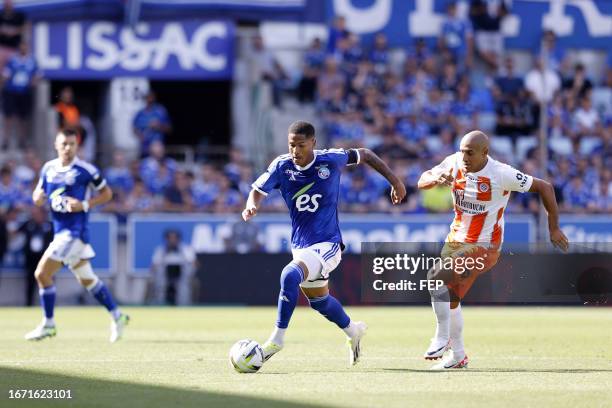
x=505, y=370
x=96, y=393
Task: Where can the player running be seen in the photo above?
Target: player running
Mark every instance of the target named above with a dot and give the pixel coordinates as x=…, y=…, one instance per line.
x=65, y=183
x=309, y=182
x=481, y=187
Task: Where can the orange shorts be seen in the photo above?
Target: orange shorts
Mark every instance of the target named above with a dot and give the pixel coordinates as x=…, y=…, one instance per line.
x=469, y=262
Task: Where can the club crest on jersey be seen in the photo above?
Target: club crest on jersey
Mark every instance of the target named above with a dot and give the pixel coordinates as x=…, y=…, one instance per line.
x=483, y=187
x=292, y=174
x=324, y=172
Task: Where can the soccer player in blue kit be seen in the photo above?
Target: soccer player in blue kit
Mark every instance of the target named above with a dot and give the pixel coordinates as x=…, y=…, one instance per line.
x=309, y=181
x=66, y=184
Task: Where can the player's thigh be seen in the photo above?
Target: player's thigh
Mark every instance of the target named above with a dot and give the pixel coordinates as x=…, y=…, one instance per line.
x=320, y=260
x=47, y=267
x=480, y=260
x=315, y=292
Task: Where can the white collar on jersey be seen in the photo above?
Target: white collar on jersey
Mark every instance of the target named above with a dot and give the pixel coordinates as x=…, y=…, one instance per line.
x=309, y=165
x=60, y=168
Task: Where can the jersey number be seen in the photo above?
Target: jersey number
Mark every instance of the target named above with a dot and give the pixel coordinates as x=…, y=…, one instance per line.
x=306, y=202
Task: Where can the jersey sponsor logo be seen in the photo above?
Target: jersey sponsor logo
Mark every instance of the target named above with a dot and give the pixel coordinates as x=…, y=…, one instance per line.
x=324, y=172
x=292, y=174
x=307, y=202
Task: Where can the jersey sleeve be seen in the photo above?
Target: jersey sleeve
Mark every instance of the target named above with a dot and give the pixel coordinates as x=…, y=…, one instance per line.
x=97, y=181
x=445, y=166
x=269, y=180
x=42, y=179
x=515, y=180
x=344, y=157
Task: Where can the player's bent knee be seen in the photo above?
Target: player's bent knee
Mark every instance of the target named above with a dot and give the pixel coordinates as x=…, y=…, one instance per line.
x=292, y=275
x=85, y=274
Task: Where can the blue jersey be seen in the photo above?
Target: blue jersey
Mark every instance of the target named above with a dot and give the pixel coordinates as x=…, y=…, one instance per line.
x=75, y=180
x=310, y=192
x=19, y=73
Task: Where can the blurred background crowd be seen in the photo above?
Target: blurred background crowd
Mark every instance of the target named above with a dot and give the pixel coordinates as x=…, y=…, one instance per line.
x=409, y=105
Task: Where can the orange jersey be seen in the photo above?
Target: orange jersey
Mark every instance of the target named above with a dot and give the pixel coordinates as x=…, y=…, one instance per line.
x=480, y=199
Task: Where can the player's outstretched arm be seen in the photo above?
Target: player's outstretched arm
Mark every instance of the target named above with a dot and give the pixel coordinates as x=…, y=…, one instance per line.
x=398, y=190
x=252, y=204
x=103, y=197
x=547, y=193
x=431, y=179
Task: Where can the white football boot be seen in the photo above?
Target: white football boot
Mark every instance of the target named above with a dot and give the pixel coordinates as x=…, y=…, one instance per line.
x=117, y=326
x=353, y=343
x=41, y=332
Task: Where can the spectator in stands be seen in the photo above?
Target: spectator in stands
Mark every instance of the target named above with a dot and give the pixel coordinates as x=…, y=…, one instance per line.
x=449, y=80
x=542, y=83
x=3, y=237
x=227, y=200
x=313, y=64
x=602, y=199
x=265, y=67
x=577, y=196
x=330, y=80
x=9, y=192
x=19, y=77
x=232, y=167
x=508, y=84
x=554, y=54
x=515, y=116
x=359, y=196
x=205, y=188
x=457, y=37
x=177, y=195
x=139, y=199
x=586, y=119
x=12, y=30
x=151, y=123
x=337, y=31
x=38, y=234
x=157, y=170
x=173, y=266
x=379, y=54
x=487, y=24
x=578, y=85
x=69, y=115
x=119, y=177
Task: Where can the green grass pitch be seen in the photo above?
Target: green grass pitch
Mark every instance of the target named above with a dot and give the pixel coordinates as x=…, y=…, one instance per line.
x=540, y=357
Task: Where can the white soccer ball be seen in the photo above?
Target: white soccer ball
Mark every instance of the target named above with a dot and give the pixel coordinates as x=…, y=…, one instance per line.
x=246, y=356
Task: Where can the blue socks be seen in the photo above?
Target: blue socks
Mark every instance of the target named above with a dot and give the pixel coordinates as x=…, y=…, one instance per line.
x=290, y=281
x=47, y=302
x=329, y=307
x=103, y=295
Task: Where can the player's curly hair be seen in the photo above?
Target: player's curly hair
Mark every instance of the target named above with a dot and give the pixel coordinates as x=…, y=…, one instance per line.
x=301, y=127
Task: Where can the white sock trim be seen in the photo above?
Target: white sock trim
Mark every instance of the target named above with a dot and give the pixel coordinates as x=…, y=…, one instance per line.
x=277, y=336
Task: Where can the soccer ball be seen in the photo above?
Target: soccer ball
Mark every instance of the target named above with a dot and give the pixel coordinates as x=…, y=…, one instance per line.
x=246, y=356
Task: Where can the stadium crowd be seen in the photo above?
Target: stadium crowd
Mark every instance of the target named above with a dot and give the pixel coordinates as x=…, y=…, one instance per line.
x=409, y=106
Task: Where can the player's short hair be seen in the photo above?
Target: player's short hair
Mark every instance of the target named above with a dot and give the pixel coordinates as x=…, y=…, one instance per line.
x=303, y=128
x=69, y=132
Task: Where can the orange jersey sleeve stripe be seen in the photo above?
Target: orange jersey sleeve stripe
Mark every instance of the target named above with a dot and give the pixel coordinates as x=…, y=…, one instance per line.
x=475, y=228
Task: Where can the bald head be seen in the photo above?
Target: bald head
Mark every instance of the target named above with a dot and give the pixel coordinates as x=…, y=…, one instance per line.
x=475, y=149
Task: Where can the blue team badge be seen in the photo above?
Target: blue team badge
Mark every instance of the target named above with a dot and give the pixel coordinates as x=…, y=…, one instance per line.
x=324, y=172
x=483, y=187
